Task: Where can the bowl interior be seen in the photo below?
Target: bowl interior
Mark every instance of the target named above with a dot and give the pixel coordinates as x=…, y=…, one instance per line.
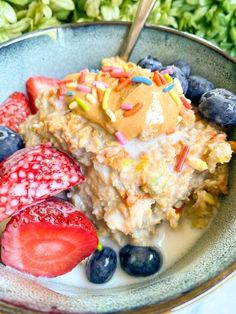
x=57, y=52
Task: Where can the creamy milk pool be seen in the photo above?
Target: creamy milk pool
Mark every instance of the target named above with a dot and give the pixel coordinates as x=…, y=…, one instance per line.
x=173, y=244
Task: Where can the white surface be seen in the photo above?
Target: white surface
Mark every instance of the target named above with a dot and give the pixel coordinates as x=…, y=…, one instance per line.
x=222, y=300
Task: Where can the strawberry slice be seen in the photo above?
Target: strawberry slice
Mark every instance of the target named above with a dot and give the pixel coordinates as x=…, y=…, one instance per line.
x=48, y=239
x=36, y=85
x=32, y=174
x=14, y=111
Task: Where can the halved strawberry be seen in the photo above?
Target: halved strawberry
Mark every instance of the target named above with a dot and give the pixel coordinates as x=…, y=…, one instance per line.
x=48, y=239
x=14, y=111
x=36, y=85
x=32, y=174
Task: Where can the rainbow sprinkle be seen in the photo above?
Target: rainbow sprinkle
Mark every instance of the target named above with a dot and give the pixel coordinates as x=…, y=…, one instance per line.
x=117, y=70
x=132, y=111
x=82, y=77
x=185, y=102
x=111, y=115
x=61, y=91
x=105, y=101
x=70, y=93
x=120, y=138
x=82, y=104
x=107, y=68
x=178, y=87
x=168, y=88
x=162, y=79
x=156, y=78
x=126, y=106
x=100, y=84
x=94, y=92
x=95, y=83
x=175, y=97
x=122, y=84
x=83, y=88
x=99, y=246
x=141, y=79
x=65, y=81
x=72, y=85
x=182, y=158
x=167, y=71
x=120, y=74
x=168, y=78
x=91, y=99
x=73, y=105
x=94, y=70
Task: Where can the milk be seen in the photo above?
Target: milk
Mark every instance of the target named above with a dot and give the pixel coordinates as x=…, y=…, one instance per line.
x=173, y=244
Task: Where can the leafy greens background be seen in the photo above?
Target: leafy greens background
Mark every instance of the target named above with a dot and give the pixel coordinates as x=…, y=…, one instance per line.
x=214, y=20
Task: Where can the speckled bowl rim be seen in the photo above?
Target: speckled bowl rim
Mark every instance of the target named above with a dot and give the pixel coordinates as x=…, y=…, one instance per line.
x=194, y=293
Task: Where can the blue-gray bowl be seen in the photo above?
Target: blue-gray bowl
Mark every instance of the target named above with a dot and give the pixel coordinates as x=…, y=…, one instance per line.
x=61, y=50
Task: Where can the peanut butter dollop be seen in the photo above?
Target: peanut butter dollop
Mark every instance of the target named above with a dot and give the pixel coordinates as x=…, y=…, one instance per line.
x=158, y=113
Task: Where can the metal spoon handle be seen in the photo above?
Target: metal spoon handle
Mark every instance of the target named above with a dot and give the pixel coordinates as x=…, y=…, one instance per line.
x=144, y=9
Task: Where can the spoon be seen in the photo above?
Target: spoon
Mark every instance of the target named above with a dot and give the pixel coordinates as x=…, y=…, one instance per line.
x=144, y=9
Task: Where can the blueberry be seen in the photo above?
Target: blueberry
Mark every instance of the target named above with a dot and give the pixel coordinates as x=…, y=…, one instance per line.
x=150, y=63
x=140, y=261
x=177, y=73
x=183, y=66
x=10, y=142
x=101, y=266
x=219, y=106
x=197, y=86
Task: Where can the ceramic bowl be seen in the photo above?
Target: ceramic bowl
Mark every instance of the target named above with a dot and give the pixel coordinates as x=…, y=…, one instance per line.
x=58, y=51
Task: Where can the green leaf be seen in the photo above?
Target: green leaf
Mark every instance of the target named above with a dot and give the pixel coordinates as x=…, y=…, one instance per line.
x=47, y=11
x=166, y=5
x=62, y=15
x=3, y=36
x=232, y=33
x=21, y=14
x=32, y=9
x=44, y=23
x=205, y=2
x=200, y=13
x=110, y=13
x=20, y=26
x=92, y=8
x=116, y=2
x=58, y=5
x=38, y=13
x=214, y=20
x=19, y=2
x=128, y=10
x=8, y=12
x=193, y=2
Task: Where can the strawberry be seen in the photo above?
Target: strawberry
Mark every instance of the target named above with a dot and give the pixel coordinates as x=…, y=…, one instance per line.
x=36, y=85
x=48, y=239
x=14, y=111
x=32, y=174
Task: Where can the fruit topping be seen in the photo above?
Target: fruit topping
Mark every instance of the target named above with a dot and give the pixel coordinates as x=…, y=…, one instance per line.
x=10, y=142
x=197, y=86
x=140, y=261
x=183, y=66
x=219, y=106
x=36, y=85
x=33, y=174
x=14, y=111
x=101, y=266
x=150, y=63
x=48, y=239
